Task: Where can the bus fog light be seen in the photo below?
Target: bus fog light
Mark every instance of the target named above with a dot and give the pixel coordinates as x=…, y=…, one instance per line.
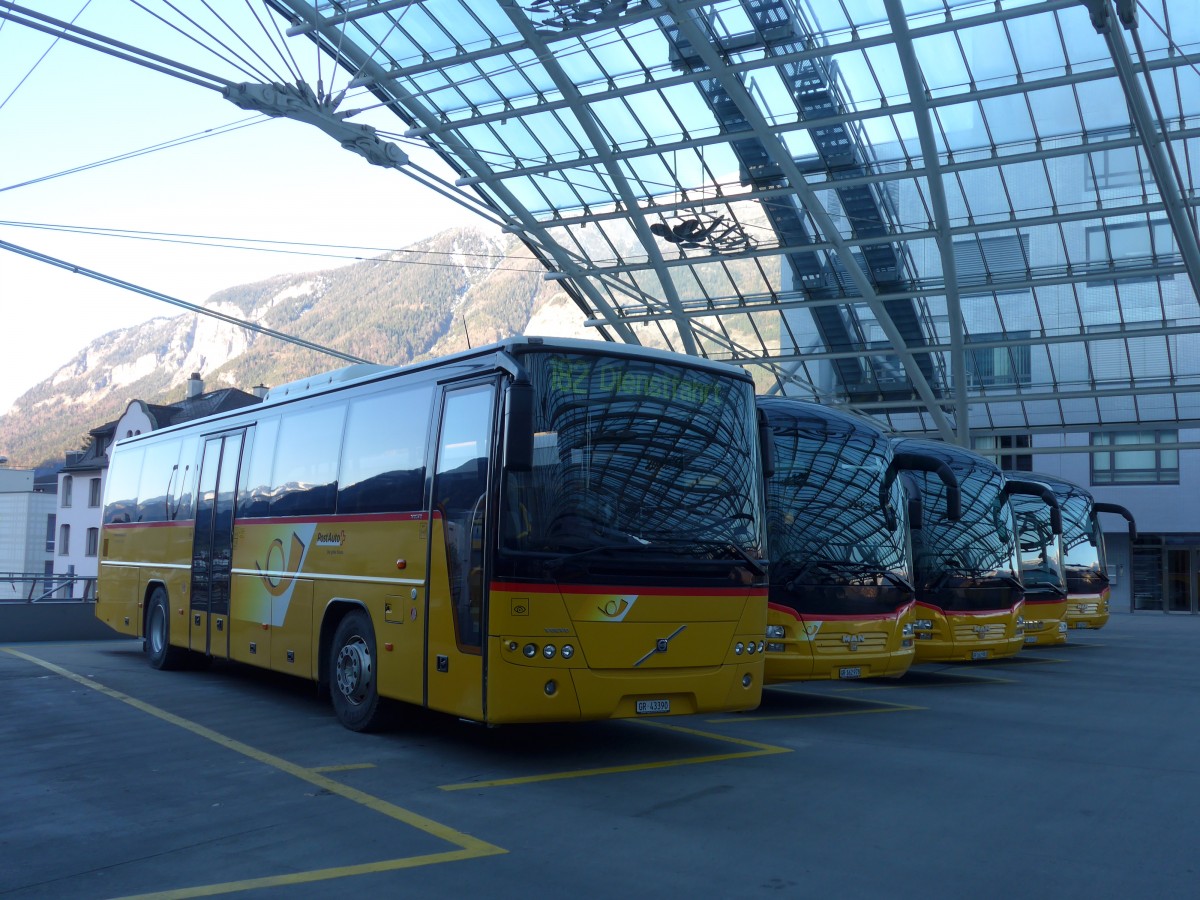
x=567, y=651
x=747, y=680
x=512, y=645
x=530, y=650
x=738, y=648
x=1062, y=627
x=551, y=688
x=776, y=631
x=549, y=650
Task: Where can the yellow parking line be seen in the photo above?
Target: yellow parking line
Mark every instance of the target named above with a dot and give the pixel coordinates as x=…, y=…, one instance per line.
x=349, y=767
x=757, y=749
x=470, y=847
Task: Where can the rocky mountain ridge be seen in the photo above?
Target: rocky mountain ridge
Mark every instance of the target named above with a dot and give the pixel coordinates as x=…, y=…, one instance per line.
x=422, y=301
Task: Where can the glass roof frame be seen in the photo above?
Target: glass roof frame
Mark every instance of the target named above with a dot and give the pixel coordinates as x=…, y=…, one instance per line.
x=816, y=202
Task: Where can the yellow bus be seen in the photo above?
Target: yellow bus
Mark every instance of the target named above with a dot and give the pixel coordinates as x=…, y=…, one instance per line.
x=841, y=596
x=537, y=530
x=971, y=602
x=1084, y=561
x=1039, y=526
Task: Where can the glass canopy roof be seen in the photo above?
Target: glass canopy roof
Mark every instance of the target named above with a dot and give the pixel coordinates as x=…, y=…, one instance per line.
x=954, y=216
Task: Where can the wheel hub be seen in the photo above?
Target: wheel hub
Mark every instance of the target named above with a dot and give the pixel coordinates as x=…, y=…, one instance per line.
x=355, y=670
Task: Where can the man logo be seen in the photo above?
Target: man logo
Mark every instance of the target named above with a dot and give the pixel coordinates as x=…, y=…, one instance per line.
x=853, y=640
x=981, y=631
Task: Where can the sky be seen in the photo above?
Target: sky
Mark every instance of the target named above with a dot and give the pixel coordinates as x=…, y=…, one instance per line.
x=275, y=180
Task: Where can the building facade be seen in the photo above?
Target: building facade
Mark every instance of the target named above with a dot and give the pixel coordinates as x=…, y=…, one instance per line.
x=27, y=535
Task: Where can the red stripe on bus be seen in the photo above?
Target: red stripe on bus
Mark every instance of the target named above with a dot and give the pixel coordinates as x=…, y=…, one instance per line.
x=293, y=520
x=608, y=589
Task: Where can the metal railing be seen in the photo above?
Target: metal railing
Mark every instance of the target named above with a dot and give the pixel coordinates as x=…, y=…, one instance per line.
x=20, y=587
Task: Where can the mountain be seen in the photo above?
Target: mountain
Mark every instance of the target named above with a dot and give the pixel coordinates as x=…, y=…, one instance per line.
x=408, y=305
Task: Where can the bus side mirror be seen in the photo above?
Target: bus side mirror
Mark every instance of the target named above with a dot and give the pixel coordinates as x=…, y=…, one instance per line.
x=518, y=427
x=766, y=445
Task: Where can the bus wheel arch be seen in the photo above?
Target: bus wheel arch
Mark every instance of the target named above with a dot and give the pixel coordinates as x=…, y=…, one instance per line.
x=156, y=629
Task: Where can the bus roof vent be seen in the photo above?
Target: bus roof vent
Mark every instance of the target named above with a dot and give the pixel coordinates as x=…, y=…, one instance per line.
x=315, y=383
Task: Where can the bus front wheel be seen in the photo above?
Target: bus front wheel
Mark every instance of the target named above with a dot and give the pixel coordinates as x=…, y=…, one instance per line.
x=158, y=632
x=353, y=683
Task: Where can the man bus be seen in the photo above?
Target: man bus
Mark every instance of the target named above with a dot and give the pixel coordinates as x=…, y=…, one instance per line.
x=1084, y=561
x=841, y=595
x=971, y=603
x=537, y=530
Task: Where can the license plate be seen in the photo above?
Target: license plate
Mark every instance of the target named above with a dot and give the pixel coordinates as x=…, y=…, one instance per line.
x=850, y=672
x=653, y=706
x=1081, y=624
x=979, y=654
x=1031, y=640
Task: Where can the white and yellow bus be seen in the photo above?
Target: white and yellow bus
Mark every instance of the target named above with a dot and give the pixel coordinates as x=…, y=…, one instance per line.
x=1039, y=526
x=538, y=530
x=841, y=598
x=1084, y=562
x=971, y=601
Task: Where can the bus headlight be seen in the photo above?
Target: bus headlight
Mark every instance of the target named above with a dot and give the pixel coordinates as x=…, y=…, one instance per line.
x=776, y=631
x=761, y=646
x=1062, y=627
x=750, y=647
x=907, y=630
x=923, y=624
x=549, y=650
x=775, y=648
x=567, y=651
x=530, y=650
x=738, y=648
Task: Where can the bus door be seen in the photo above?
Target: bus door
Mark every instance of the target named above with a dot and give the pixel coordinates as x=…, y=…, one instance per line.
x=212, y=544
x=457, y=617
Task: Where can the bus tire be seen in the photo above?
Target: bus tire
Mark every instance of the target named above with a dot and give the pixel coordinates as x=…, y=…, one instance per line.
x=353, y=681
x=158, y=633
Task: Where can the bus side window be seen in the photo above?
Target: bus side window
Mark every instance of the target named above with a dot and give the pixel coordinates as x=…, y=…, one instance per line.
x=121, y=486
x=159, y=473
x=184, y=486
x=254, y=496
x=304, y=477
x=383, y=457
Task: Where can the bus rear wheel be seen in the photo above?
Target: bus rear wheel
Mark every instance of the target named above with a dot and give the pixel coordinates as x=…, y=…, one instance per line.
x=353, y=685
x=158, y=633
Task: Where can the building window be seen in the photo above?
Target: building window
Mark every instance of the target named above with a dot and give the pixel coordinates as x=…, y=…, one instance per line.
x=65, y=498
x=1135, y=457
x=999, y=366
x=64, y=540
x=94, y=493
x=994, y=445
x=51, y=519
x=1129, y=245
x=93, y=541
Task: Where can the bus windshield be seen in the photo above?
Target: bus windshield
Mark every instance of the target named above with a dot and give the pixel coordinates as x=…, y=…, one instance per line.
x=1041, y=549
x=970, y=564
x=1083, y=546
x=636, y=463
x=832, y=551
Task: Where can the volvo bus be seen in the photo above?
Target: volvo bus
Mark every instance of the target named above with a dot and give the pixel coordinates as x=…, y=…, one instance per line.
x=1040, y=548
x=537, y=530
x=971, y=603
x=1084, y=561
x=841, y=594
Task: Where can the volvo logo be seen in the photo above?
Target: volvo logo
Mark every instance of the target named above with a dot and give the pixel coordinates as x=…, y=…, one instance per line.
x=661, y=645
x=853, y=640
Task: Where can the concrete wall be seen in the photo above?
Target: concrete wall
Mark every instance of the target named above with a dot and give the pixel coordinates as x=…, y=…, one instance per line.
x=52, y=622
